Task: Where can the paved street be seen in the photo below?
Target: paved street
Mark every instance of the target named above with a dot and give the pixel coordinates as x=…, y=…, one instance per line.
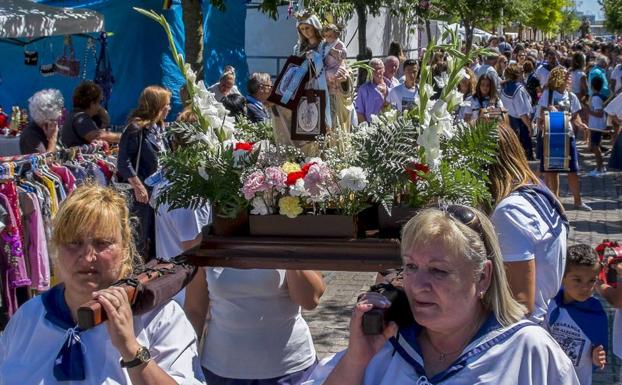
x=329, y=322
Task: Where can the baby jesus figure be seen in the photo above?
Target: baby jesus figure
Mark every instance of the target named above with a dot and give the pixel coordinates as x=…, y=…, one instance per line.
x=335, y=57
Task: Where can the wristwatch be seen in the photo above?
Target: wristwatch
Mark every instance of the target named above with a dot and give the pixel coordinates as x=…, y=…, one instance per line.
x=142, y=356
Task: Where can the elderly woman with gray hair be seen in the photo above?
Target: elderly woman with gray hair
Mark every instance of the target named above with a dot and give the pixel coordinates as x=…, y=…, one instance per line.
x=46, y=108
x=468, y=329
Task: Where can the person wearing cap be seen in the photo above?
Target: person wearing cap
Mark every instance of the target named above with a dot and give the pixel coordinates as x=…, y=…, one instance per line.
x=488, y=67
x=226, y=84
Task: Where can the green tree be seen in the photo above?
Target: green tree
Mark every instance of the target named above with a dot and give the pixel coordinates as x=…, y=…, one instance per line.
x=473, y=13
x=613, y=14
x=570, y=22
x=547, y=15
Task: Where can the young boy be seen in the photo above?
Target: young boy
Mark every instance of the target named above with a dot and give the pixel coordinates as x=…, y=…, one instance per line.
x=577, y=320
x=597, y=123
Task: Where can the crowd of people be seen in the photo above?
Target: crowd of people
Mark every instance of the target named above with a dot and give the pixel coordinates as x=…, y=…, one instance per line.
x=497, y=297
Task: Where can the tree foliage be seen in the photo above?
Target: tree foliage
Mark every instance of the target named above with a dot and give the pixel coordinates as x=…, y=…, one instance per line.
x=473, y=13
x=613, y=14
x=547, y=15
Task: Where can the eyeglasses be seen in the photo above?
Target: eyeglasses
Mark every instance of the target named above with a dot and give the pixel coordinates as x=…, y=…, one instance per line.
x=266, y=85
x=467, y=217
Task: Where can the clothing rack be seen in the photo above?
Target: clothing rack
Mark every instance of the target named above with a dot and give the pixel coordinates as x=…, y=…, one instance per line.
x=8, y=163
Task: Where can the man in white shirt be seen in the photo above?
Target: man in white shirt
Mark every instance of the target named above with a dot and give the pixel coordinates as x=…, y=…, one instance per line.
x=391, y=65
x=403, y=96
x=543, y=71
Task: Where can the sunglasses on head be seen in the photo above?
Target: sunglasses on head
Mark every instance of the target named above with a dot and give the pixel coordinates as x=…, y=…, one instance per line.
x=467, y=217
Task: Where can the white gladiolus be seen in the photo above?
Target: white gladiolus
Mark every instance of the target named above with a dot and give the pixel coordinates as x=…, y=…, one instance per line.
x=190, y=75
x=259, y=207
x=203, y=173
x=353, y=179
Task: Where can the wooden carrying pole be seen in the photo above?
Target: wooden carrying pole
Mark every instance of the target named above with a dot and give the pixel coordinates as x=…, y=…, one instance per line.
x=329, y=254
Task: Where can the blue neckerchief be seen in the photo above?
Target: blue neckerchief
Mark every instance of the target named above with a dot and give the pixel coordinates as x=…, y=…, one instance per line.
x=69, y=363
x=409, y=335
x=531, y=192
x=588, y=315
x=511, y=88
x=255, y=102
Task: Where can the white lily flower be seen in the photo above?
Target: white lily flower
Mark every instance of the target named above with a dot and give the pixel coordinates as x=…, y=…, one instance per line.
x=190, y=75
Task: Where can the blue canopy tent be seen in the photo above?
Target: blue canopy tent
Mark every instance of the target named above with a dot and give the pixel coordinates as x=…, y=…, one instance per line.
x=138, y=51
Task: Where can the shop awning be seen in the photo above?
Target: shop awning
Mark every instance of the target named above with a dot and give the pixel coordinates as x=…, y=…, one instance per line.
x=23, y=19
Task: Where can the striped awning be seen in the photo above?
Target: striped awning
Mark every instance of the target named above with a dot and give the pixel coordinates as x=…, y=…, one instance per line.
x=29, y=20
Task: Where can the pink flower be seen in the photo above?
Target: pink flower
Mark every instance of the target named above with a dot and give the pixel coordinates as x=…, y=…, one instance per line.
x=254, y=183
x=276, y=177
x=317, y=179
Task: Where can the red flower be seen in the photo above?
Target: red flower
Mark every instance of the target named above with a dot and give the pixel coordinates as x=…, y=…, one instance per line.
x=413, y=171
x=306, y=167
x=292, y=177
x=244, y=146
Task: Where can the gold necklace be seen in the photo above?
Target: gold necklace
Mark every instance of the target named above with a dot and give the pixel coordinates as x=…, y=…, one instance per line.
x=442, y=356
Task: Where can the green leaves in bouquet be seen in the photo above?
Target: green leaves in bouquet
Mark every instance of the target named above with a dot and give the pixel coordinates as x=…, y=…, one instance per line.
x=462, y=176
x=201, y=174
x=253, y=132
x=384, y=148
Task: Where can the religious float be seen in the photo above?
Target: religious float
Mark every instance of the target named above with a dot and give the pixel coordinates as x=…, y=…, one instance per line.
x=310, y=190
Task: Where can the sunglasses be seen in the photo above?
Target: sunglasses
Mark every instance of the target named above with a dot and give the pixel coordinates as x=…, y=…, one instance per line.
x=467, y=217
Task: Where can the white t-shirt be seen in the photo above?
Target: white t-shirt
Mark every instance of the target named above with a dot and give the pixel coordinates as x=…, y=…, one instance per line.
x=255, y=331
x=518, y=104
x=476, y=105
x=528, y=356
x=524, y=235
x=542, y=74
x=568, y=99
x=616, y=75
x=573, y=342
x=597, y=123
x=402, y=97
x=577, y=75
x=615, y=107
x=30, y=344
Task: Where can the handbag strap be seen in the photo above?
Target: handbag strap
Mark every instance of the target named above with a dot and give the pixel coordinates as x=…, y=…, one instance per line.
x=140, y=147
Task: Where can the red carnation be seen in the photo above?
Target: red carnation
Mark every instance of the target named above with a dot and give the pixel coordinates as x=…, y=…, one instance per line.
x=292, y=177
x=306, y=167
x=244, y=146
x=412, y=171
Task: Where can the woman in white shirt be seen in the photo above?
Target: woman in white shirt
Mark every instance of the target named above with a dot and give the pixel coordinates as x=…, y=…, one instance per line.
x=468, y=329
x=579, y=85
x=255, y=331
x=42, y=344
x=531, y=226
x=518, y=103
x=557, y=98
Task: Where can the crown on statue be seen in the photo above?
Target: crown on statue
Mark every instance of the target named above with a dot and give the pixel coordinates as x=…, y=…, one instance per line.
x=304, y=15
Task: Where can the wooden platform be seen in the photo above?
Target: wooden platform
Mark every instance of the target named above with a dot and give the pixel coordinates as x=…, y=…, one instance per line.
x=331, y=254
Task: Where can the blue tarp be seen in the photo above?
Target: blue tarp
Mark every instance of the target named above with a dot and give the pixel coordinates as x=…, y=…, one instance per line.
x=138, y=51
x=224, y=34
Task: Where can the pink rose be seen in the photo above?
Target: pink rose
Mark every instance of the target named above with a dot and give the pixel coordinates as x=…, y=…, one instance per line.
x=254, y=183
x=317, y=179
x=276, y=177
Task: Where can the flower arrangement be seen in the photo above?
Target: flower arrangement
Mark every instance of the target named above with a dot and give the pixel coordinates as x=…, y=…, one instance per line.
x=411, y=159
x=312, y=186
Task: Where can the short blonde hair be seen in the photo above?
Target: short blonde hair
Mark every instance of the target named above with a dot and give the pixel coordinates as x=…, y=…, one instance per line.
x=436, y=227
x=92, y=211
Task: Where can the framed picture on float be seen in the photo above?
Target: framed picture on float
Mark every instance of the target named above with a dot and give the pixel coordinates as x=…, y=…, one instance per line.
x=290, y=83
x=308, y=120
